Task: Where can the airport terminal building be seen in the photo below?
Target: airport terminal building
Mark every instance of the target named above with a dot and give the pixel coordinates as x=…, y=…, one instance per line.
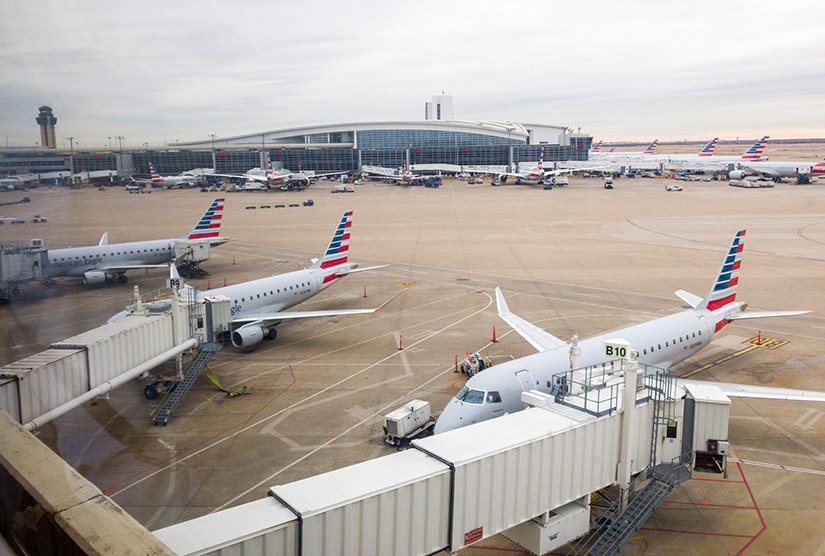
x=321, y=148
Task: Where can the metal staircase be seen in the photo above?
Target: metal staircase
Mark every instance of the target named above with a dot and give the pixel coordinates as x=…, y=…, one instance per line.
x=205, y=353
x=626, y=523
x=663, y=478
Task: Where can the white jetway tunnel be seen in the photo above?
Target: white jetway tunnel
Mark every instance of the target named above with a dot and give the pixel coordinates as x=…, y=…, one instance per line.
x=449, y=491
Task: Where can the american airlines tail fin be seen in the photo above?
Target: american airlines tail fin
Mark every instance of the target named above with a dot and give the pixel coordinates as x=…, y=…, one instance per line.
x=209, y=226
x=541, y=157
x=337, y=251
x=651, y=148
x=709, y=148
x=819, y=168
x=153, y=175
x=597, y=147
x=755, y=152
x=723, y=291
x=334, y=263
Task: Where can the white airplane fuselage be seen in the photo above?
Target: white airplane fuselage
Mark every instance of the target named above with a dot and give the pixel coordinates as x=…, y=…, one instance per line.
x=274, y=293
x=661, y=342
x=76, y=261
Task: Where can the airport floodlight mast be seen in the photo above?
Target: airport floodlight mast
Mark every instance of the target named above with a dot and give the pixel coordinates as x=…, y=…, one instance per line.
x=214, y=162
x=71, y=157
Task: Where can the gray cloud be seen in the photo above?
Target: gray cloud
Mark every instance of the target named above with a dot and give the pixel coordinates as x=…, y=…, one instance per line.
x=636, y=69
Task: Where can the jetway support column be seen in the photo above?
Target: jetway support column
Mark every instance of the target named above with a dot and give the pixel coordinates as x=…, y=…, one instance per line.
x=631, y=372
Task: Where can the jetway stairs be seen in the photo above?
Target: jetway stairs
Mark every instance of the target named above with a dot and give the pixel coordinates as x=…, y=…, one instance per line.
x=205, y=353
x=624, y=524
x=662, y=478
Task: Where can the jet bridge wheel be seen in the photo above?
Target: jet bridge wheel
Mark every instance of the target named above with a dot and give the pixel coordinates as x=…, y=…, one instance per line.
x=122, y=278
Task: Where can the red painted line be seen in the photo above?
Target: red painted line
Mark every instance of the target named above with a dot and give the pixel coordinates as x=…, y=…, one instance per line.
x=758, y=512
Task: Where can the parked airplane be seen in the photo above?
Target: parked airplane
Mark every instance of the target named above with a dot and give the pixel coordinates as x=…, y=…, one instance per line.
x=596, y=148
x=651, y=149
x=400, y=175
x=98, y=263
x=10, y=183
x=182, y=180
x=274, y=178
x=704, y=161
x=803, y=171
x=259, y=306
x=662, y=342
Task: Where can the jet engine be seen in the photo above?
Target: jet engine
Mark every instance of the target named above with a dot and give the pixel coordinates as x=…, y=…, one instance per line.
x=503, y=178
x=736, y=175
x=94, y=277
x=248, y=336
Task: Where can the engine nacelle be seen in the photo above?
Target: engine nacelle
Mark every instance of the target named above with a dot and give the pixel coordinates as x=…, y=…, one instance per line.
x=736, y=175
x=248, y=336
x=503, y=178
x=94, y=277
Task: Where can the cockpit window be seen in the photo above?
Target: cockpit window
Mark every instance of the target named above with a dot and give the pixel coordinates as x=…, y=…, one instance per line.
x=493, y=397
x=470, y=396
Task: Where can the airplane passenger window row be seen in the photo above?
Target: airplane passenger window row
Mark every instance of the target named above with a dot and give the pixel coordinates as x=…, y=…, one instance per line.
x=667, y=344
x=113, y=254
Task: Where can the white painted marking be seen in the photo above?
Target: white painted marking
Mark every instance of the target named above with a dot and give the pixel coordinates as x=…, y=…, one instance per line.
x=809, y=419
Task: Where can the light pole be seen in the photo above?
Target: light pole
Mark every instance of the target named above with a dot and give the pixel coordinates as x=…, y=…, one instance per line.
x=120, y=168
x=71, y=158
x=214, y=162
x=110, y=141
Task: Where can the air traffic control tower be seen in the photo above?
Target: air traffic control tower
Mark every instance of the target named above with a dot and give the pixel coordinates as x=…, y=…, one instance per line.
x=46, y=120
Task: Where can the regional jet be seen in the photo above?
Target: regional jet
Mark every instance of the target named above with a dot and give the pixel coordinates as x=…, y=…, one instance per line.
x=662, y=342
x=400, y=175
x=104, y=261
x=259, y=306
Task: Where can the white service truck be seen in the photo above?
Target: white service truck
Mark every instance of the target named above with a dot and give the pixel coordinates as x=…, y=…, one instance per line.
x=408, y=422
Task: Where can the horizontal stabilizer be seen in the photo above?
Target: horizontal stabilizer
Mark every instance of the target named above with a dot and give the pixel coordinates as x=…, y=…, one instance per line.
x=765, y=314
x=354, y=270
x=538, y=338
x=764, y=392
x=689, y=298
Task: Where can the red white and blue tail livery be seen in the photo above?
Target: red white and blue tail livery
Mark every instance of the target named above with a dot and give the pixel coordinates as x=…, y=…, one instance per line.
x=709, y=148
x=755, y=152
x=335, y=257
x=651, y=148
x=209, y=226
x=597, y=147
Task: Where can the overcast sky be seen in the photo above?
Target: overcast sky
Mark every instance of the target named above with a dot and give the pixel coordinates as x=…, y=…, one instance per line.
x=157, y=71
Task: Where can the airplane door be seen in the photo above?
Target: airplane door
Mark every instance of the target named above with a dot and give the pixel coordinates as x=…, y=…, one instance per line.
x=526, y=380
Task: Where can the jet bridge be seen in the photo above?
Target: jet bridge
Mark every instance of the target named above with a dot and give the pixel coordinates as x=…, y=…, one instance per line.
x=528, y=475
x=20, y=263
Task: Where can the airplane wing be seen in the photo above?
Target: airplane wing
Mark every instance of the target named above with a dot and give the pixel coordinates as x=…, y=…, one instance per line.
x=538, y=338
x=245, y=177
x=276, y=317
x=764, y=392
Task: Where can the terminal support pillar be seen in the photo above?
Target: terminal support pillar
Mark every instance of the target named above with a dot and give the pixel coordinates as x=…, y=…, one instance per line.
x=631, y=372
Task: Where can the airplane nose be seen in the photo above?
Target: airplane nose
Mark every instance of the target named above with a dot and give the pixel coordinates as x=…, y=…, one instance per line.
x=449, y=419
